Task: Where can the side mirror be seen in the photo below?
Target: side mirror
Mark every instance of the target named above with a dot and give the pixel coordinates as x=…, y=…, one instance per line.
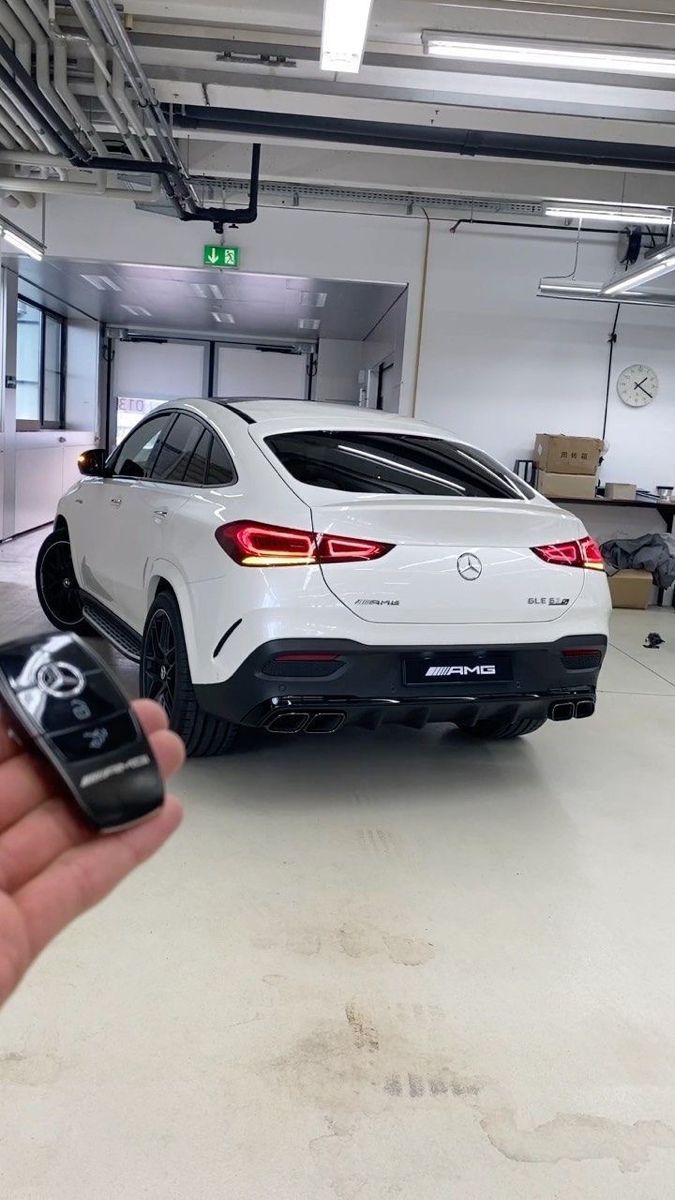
x=92, y=462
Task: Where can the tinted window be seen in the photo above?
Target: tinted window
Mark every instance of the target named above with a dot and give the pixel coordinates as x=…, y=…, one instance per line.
x=195, y=469
x=391, y=463
x=221, y=468
x=177, y=450
x=137, y=455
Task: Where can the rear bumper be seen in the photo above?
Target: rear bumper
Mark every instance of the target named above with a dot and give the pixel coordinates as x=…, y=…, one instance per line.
x=367, y=685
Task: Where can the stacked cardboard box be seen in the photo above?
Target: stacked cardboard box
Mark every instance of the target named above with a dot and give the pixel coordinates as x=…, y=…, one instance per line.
x=631, y=589
x=567, y=466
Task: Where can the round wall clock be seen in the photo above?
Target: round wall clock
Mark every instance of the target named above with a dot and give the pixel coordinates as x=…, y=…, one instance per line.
x=638, y=385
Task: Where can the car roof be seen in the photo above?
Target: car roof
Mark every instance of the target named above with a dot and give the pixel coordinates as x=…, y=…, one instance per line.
x=267, y=409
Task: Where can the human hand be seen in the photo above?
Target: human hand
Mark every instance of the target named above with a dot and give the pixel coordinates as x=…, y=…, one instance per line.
x=53, y=866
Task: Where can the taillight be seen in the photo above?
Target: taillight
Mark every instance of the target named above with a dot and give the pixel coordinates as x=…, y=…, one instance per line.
x=254, y=545
x=584, y=553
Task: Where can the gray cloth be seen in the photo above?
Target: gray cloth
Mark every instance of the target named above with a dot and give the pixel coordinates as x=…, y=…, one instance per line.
x=654, y=552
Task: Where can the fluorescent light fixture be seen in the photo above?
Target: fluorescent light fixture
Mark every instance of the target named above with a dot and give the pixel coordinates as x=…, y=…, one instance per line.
x=199, y=290
x=308, y=323
x=102, y=283
x=658, y=264
x=215, y=291
x=633, y=216
x=22, y=244
x=343, y=40
x=561, y=56
x=135, y=310
x=314, y=299
x=223, y=318
x=569, y=289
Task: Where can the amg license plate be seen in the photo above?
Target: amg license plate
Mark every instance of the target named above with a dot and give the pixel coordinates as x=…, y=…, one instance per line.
x=471, y=667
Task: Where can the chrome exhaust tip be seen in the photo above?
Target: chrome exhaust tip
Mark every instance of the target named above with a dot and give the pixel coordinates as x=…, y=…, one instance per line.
x=326, y=722
x=584, y=709
x=288, y=722
x=562, y=712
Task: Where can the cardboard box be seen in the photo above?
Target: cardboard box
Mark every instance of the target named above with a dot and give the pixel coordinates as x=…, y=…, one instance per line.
x=566, y=487
x=631, y=589
x=562, y=455
x=620, y=491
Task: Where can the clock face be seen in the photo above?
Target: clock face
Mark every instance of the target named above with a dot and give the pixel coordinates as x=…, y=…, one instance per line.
x=638, y=385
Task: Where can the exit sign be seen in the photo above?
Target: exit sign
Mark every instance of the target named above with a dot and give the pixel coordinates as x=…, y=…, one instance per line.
x=221, y=256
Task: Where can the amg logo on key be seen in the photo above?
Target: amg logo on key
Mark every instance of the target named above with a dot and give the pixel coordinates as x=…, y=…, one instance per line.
x=445, y=672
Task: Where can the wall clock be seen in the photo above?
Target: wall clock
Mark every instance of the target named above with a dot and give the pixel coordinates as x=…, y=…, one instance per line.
x=638, y=385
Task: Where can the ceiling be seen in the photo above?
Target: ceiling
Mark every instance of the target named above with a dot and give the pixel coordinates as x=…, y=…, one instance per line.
x=250, y=306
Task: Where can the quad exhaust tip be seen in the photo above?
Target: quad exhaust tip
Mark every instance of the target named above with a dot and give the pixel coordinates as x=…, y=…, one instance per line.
x=566, y=710
x=304, y=722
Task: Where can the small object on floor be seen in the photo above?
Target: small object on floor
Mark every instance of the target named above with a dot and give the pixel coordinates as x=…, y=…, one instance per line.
x=654, y=640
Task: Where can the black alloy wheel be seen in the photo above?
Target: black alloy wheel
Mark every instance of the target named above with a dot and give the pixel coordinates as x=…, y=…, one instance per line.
x=159, y=661
x=57, y=586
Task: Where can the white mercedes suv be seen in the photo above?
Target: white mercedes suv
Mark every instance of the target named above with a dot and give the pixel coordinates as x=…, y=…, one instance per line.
x=295, y=566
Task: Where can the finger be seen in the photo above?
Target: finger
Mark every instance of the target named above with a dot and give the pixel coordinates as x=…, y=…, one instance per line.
x=26, y=781
x=86, y=874
x=56, y=825
x=151, y=716
x=9, y=746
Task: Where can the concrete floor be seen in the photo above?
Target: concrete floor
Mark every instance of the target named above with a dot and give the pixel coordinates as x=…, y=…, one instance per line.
x=372, y=967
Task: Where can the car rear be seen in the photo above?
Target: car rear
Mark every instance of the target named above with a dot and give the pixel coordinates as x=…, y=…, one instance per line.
x=463, y=594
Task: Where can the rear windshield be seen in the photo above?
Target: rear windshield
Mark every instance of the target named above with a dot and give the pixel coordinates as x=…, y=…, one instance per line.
x=393, y=464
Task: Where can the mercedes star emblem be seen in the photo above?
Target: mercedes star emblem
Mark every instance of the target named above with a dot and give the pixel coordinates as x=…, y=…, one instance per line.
x=60, y=680
x=470, y=567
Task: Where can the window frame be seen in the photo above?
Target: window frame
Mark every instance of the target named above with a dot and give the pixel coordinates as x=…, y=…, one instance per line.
x=32, y=426
x=173, y=415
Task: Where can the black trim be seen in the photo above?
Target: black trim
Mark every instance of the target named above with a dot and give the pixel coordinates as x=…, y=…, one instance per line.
x=175, y=414
x=231, y=408
x=225, y=636
x=368, y=683
x=27, y=425
x=210, y=386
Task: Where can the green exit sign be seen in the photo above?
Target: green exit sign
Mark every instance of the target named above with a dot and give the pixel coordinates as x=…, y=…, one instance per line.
x=221, y=256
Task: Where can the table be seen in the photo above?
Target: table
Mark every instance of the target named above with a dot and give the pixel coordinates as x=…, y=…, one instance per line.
x=665, y=509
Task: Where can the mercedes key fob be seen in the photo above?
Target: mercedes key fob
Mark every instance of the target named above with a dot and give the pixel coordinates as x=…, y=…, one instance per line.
x=64, y=698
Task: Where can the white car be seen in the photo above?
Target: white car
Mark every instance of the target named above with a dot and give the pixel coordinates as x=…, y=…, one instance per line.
x=295, y=566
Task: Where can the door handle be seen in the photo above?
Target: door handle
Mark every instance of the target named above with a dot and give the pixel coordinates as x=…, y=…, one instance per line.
x=161, y=513
x=115, y=500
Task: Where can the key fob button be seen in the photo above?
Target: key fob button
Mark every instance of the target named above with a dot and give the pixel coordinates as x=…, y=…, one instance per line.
x=96, y=739
x=96, y=700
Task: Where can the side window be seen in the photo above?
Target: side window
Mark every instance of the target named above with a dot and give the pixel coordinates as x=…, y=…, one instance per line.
x=177, y=450
x=137, y=455
x=221, y=470
x=195, y=469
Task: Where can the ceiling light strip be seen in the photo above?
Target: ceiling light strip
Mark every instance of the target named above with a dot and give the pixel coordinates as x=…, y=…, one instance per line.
x=22, y=242
x=661, y=263
x=570, y=56
x=632, y=216
x=343, y=39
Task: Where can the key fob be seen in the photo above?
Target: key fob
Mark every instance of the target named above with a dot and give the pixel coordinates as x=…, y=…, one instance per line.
x=61, y=694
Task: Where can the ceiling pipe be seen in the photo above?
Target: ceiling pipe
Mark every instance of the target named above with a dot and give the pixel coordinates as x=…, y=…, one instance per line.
x=54, y=187
x=68, y=96
x=234, y=216
x=102, y=76
x=13, y=31
x=39, y=35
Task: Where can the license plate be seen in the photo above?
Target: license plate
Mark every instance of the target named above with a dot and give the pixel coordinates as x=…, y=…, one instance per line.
x=473, y=668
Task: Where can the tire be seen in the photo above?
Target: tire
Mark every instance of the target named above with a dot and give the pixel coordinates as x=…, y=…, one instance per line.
x=165, y=677
x=56, y=585
x=504, y=730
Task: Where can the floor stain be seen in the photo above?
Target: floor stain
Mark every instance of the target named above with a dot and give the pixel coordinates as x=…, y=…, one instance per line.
x=408, y=952
x=31, y=1070
x=363, y=1027
x=578, y=1137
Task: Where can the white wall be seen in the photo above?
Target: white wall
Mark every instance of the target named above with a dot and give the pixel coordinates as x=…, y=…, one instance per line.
x=154, y=371
x=337, y=376
x=500, y=365
x=247, y=372
x=387, y=340
x=82, y=367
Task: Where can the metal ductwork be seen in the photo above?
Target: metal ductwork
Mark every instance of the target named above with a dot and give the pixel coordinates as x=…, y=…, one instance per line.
x=44, y=115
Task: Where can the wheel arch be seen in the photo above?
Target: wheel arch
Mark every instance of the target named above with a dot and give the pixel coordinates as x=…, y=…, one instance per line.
x=167, y=577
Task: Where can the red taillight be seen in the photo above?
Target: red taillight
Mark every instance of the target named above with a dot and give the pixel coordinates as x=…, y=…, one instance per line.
x=254, y=545
x=585, y=553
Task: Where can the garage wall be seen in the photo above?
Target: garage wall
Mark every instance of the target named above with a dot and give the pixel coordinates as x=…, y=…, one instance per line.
x=248, y=372
x=498, y=365
x=337, y=376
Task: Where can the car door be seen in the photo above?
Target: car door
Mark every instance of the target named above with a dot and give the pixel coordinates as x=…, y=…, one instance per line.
x=144, y=518
x=115, y=530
